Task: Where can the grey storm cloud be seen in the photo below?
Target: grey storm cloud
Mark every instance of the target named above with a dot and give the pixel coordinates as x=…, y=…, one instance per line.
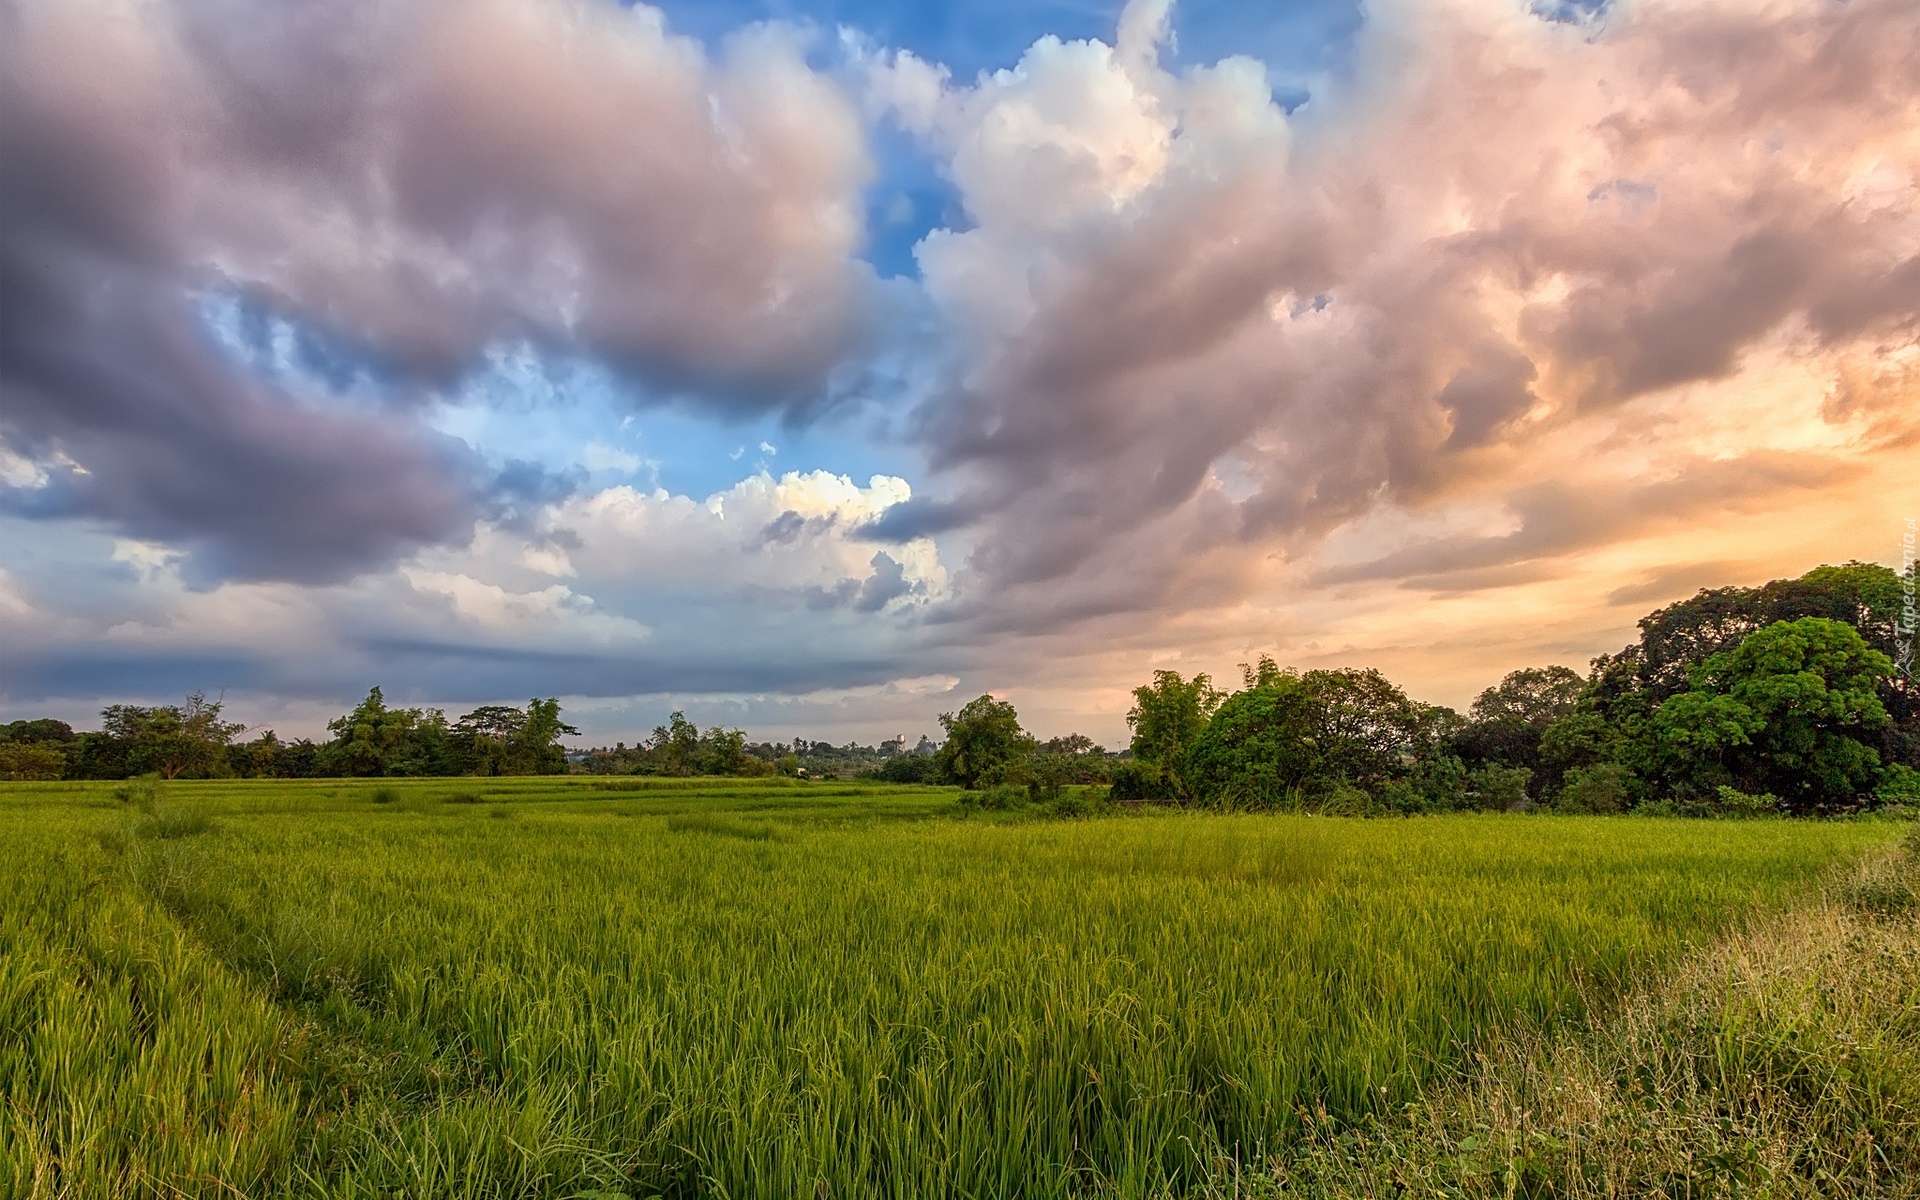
x=420, y=180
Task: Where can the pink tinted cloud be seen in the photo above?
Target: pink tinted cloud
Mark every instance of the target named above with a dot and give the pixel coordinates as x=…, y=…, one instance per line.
x=1201, y=332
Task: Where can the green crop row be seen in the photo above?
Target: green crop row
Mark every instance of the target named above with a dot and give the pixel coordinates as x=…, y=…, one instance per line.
x=548, y=988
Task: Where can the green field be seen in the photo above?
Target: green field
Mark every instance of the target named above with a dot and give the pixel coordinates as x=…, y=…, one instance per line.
x=557, y=988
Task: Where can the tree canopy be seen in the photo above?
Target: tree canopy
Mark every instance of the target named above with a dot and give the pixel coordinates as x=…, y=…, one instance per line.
x=984, y=745
x=1787, y=713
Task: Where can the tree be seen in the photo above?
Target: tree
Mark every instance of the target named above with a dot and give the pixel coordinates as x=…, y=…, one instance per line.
x=375, y=740
x=908, y=768
x=723, y=751
x=675, y=746
x=499, y=739
x=1535, y=696
x=1073, y=745
x=35, y=749
x=31, y=760
x=1291, y=741
x=984, y=745
x=172, y=741
x=1677, y=639
x=1167, y=717
x=1508, y=722
x=43, y=729
x=97, y=755
x=1788, y=712
x=256, y=759
x=540, y=736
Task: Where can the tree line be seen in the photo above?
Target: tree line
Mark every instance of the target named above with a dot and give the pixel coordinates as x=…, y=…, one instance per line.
x=1778, y=698
x=193, y=740
x=1783, y=697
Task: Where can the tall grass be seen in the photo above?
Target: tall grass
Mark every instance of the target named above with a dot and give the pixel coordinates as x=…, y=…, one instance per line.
x=1783, y=1062
x=741, y=990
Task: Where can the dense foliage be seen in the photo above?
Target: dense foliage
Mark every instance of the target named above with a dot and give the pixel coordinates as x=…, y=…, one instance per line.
x=193, y=741
x=1738, y=701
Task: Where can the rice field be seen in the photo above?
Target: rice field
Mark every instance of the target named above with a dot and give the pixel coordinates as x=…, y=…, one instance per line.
x=598, y=988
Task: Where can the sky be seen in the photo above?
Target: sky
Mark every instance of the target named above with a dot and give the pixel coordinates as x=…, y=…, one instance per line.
x=813, y=367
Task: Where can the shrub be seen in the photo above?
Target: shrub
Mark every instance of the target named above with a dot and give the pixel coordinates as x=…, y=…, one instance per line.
x=142, y=793
x=1400, y=796
x=1078, y=802
x=1345, y=800
x=383, y=795
x=1899, y=784
x=1136, y=782
x=1005, y=797
x=1600, y=788
x=169, y=823
x=907, y=768
x=1441, y=781
x=1499, y=789
x=1731, y=802
x=31, y=761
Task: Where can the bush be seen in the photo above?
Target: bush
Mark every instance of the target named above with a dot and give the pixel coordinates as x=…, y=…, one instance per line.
x=1731, y=802
x=1078, y=802
x=1436, y=785
x=1899, y=784
x=1136, y=782
x=1401, y=796
x=142, y=793
x=1005, y=797
x=383, y=795
x=1345, y=800
x=1047, y=776
x=31, y=761
x=1600, y=788
x=1499, y=789
x=906, y=768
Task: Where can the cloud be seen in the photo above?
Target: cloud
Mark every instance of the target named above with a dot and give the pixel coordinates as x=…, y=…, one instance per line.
x=1439, y=371
x=662, y=593
x=414, y=184
x=1555, y=520
x=1202, y=336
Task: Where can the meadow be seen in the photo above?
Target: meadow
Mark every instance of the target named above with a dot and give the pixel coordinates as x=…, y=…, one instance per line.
x=598, y=988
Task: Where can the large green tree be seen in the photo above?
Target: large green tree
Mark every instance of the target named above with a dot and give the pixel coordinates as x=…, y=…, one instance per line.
x=1293, y=739
x=1790, y=711
x=375, y=739
x=499, y=739
x=674, y=748
x=1508, y=722
x=173, y=741
x=35, y=749
x=985, y=744
x=1167, y=717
